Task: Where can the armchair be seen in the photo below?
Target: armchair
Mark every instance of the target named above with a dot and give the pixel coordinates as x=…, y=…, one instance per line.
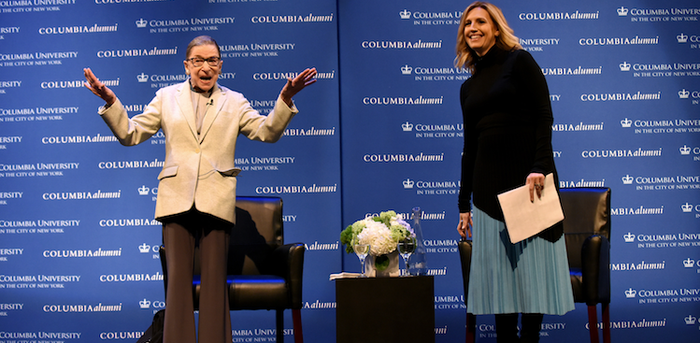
x=465, y=255
x=587, y=235
x=263, y=272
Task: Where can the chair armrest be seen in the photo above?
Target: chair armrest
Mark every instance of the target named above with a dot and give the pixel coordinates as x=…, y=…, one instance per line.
x=465, y=255
x=595, y=260
x=289, y=263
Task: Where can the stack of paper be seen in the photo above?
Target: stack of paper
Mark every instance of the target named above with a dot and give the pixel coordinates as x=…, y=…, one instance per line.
x=345, y=275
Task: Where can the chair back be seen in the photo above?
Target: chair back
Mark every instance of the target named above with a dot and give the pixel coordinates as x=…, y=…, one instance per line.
x=586, y=213
x=257, y=233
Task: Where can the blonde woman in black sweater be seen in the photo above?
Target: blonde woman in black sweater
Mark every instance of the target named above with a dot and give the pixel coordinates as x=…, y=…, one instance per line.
x=507, y=124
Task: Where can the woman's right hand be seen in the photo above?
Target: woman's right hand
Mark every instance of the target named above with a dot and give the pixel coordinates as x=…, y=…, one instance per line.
x=98, y=88
x=465, y=225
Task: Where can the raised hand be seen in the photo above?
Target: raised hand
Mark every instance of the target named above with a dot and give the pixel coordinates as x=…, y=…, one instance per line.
x=98, y=88
x=294, y=86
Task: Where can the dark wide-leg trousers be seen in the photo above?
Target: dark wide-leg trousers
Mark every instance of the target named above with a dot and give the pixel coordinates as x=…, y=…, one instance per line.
x=180, y=234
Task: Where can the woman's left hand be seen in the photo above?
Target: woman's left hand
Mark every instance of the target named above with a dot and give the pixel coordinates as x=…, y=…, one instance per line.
x=98, y=88
x=294, y=86
x=535, y=183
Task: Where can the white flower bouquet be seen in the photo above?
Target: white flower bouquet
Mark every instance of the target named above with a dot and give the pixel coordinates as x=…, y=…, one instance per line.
x=381, y=232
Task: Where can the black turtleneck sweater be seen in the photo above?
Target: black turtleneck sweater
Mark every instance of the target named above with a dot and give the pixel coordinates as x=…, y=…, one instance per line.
x=507, y=128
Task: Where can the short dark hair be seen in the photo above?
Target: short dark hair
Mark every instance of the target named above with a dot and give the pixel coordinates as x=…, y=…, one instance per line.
x=202, y=40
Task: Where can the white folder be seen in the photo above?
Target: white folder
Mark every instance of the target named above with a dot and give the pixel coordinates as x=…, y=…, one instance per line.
x=525, y=219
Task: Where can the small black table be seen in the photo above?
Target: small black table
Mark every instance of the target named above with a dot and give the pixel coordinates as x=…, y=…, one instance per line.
x=384, y=310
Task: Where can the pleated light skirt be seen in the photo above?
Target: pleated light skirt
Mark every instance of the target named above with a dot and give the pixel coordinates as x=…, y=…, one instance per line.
x=531, y=276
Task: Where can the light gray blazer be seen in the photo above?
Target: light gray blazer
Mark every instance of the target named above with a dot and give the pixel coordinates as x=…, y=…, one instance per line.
x=199, y=169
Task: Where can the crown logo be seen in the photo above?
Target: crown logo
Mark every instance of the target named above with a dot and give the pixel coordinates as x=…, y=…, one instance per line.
x=406, y=70
x=407, y=126
x=143, y=190
x=144, y=303
x=142, y=78
x=683, y=94
x=408, y=183
x=144, y=248
x=622, y=11
x=687, y=207
x=627, y=180
x=141, y=23
x=405, y=14
x=630, y=293
x=629, y=237
x=626, y=122
x=690, y=320
x=688, y=263
x=685, y=150
x=624, y=66
x=682, y=38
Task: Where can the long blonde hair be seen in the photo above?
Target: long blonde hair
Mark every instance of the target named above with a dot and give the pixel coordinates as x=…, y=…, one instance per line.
x=506, y=40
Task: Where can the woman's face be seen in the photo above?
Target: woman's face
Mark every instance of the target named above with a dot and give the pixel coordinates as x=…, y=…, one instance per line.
x=480, y=31
x=203, y=77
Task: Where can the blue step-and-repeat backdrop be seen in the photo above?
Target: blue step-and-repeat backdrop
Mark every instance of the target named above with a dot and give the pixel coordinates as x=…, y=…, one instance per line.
x=381, y=129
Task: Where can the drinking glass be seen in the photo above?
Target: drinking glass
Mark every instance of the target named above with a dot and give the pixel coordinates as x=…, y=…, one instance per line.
x=406, y=247
x=362, y=250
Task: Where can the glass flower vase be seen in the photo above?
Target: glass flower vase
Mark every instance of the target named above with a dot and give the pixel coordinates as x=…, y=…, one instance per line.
x=383, y=266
